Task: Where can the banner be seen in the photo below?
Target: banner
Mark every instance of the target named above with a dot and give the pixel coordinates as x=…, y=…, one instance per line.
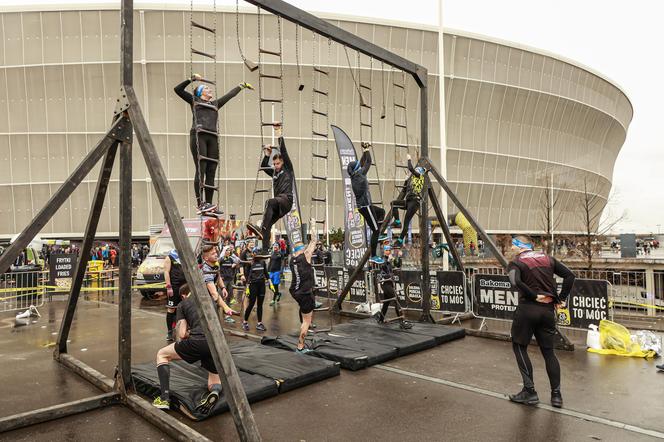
x=588, y=302
x=61, y=269
x=451, y=292
x=337, y=277
x=293, y=221
x=355, y=241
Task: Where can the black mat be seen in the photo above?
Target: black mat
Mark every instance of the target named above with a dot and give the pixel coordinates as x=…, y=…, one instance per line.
x=351, y=352
x=441, y=333
x=288, y=369
x=189, y=383
x=406, y=343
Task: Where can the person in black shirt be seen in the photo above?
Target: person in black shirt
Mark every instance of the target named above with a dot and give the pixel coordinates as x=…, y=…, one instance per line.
x=533, y=275
x=275, y=268
x=174, y=277
x=256, y=277
x=372, y=214
x=228, y=268
x=386, y=280
x=204, y=142
x=302, y=285
x=283, y=179
x=411, y=202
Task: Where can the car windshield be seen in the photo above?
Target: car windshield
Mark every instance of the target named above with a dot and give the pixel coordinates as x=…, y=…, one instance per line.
x=163, y=245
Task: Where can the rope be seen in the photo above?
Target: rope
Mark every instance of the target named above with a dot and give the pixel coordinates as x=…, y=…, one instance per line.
x=237, y=30
x=260, y=113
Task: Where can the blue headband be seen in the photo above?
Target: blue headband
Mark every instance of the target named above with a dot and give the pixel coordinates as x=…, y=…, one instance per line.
x=521, y=244
x=357, y=166
x=199, y=90
x=298, y=248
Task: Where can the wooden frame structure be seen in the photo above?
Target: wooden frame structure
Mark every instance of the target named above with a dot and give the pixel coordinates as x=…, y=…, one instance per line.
x=129, y=118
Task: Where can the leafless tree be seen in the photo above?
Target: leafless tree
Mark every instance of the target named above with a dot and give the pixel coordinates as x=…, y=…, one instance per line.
x=597, y=219
x=550, y=217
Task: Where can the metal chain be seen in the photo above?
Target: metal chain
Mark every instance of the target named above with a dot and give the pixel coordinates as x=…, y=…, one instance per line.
x=297, y=52
x=281, y=71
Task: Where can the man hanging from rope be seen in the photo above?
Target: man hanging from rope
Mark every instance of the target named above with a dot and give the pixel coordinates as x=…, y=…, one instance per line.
x=203, y=137
x=373, y=215
x=283, y=177
x=411, y=203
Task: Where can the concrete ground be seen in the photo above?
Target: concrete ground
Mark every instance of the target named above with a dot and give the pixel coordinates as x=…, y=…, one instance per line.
x=452, y=392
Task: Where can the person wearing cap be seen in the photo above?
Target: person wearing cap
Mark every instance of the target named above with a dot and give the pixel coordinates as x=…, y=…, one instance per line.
x=389, y=295
x=282, y=173
x=372, y=214
x=204, y=139
x=532, y=273
x=410, y=203
x=174, y=277
x=302, y=285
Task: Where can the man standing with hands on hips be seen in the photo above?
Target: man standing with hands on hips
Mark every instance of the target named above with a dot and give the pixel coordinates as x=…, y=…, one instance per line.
x=533, y=274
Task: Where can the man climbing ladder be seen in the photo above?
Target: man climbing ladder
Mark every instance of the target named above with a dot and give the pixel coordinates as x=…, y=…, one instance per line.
x=204, y=142
x=373, y=215
x=411, y=203
x=283, y=178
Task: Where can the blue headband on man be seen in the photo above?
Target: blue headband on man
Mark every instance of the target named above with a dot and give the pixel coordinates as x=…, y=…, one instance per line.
x=199, y=90
x=522, y=245
x=300, y=247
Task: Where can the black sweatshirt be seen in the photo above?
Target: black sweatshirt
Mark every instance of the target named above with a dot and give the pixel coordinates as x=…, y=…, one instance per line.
x=204, y=113
x=533, y=274
x=359, y=181
x=282, y=181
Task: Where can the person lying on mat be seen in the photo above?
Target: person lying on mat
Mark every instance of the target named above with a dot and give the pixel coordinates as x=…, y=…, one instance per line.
x=192, y=346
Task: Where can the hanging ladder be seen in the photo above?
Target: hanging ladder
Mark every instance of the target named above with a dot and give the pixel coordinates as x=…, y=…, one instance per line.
x=401, y=145
x=271, y=95
x=320, y=124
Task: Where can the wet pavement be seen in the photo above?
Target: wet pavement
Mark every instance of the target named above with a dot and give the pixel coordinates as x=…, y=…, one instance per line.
x=451, y=392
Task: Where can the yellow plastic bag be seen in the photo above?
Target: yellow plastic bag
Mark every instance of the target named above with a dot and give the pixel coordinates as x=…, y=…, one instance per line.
x=616, y=340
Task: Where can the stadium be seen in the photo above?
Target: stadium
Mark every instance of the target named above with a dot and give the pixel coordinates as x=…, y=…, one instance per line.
x=519, y=120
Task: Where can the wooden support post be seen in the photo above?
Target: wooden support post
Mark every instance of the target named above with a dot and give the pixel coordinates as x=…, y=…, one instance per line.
x=237, y=398
x=446, y=229
x=124, y=329
x=86, y=247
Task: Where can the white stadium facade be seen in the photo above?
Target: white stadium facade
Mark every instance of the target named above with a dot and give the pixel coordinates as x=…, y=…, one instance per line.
x=519, y=120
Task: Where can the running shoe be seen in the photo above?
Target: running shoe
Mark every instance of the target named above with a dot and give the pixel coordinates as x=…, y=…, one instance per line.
x=379, y=318
x=278, y=297
x=303, y=351
x=660, y=367
x=245, y=326
x=525, y=396
x=376, y=260
x=213, y=212
x=169, y=336
x=161, y=404
x=229, y=319
x=396, y=224
x=382, y=238
x=274, y=301
x=397, y=243
x=253, y=228
x=206, y=404
x=260, y=327
x=317, y=304
x=205, y=208
x=405, y=325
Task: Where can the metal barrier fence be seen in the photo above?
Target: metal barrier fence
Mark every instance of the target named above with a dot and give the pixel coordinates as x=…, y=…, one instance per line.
x=21, y=289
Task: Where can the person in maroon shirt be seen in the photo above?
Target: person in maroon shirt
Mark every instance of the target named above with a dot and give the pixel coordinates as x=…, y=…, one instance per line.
x=532, y=273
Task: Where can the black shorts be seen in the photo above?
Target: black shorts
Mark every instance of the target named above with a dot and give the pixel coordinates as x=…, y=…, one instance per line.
x=534, y=319
x=194, y=350
x=173, y=301
x=306, y=302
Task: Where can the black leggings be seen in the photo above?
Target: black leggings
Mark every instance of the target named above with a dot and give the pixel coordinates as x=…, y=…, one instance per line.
x=207, y=146
x=389, y=293
x=526, y=367
x=256, y=297
x=411, y=205
x=373, y=216
x=275, y=209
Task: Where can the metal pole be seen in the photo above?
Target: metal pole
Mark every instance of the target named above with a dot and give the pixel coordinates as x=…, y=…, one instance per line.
x=86, y=247
x=127, y=42
x=443, y=125
x=424, y=207
x=124, y=329
x=235, y=394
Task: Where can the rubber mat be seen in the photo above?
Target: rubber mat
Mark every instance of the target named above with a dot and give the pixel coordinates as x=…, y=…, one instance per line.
x=441, y=333
x=406, y=343
x=288, y=369
x=188, y=385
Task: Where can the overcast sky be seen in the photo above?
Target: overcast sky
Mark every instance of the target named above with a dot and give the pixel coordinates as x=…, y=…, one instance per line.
x=619, y=38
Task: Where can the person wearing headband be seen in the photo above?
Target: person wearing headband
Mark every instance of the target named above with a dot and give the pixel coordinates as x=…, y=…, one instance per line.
x=410, y=203
x=533, y=274
x=302, y=285
x=203, y=137
x=372, y=214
